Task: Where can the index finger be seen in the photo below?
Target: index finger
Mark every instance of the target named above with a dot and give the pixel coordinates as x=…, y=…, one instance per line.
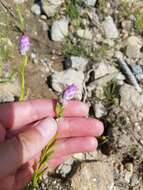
x=16, y=115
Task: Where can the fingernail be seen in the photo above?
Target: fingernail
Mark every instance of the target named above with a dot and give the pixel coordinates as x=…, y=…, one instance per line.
x=47, y=128
x=100, y=127
x=93, y=143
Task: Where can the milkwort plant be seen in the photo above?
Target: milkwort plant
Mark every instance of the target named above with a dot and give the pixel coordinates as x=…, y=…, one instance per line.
x=24, y=47
x=68, y=94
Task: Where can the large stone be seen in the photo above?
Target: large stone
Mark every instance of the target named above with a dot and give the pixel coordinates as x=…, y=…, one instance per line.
x=110, y=29
x=90, y=2
x=59, y=30
x=134, y=45
x=50, y=7
x=65, y=168
x=104, y=69
x=132, y=102
x=8, y=91
x=60, y=80
x=35, y=9
x=93, y=176
x=79, y=63
x=100, y=110
x=130, y=98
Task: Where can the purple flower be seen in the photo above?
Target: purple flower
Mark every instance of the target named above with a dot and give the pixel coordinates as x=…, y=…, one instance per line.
x=70, y=92
x=24, y=45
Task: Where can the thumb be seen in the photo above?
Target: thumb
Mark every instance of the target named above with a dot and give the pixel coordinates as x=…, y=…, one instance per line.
x=18, y=150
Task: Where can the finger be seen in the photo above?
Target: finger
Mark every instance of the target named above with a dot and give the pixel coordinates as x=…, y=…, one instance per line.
x=22, y=178
x=72, y=127
x=19, y=150
x=2, y=133
x=55, y=162
x=77, y=127
x=70, y=146
x=15, y=115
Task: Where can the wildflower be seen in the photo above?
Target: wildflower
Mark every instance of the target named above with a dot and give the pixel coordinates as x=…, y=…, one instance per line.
x=24, y=45
x=69, y=92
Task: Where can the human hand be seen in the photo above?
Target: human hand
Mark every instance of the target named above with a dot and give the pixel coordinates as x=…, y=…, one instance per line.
x=25, y=128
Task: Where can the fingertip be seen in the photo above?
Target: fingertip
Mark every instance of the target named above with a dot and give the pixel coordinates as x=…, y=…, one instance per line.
x=93, y=143
x=99, y=128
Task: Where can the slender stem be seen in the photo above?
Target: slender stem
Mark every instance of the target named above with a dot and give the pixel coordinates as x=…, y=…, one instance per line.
x=22, y=76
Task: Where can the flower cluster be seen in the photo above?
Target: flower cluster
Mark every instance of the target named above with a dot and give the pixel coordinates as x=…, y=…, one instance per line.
x=69, y=92
x=24, y=44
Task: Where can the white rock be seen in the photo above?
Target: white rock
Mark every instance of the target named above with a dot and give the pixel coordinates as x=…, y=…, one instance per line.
x=90, y=2
x=51, y=6
x=60, y=80
x=85, y=33
x=134, y=45
x=36, y=9
x=110, y=29
x=65, y=169
x=79, y=63
x=131, y=100
x=105, y=79
x=100, y=110
x=19, y=1
x=6, y=97
x=59, y=30
x=93, y=176
x=9, y=90
x=104, y=69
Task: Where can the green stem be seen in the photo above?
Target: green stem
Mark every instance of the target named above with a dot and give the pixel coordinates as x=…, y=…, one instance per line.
x=21, y=19
x=22, y=76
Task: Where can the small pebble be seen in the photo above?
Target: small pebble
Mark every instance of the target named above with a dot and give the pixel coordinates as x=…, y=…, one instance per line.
x=67, y=63
x=59, y=30
x=35, y=9
x=85, y=33
x=134, y=45
x=110, y=29
x=137, y=71
x=90, y=2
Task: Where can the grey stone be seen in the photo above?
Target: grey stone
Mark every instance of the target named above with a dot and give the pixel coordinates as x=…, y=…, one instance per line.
x=6, y=97
x=105, y=79
x=8, y=91
x=132, y=102
x=65, y=169
x=60, y=80
x=110, y=28
x=90, y=2
x=59, y=30
x=137, y=71
x=51, y=6
x=100, y=110
x=79, y=63
x=130, y=98
x=85, y=33
x=134, y=45
x=129, y=172
x=93, y=176
x=35, y=9
x=19, y=1
x=104, y=69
